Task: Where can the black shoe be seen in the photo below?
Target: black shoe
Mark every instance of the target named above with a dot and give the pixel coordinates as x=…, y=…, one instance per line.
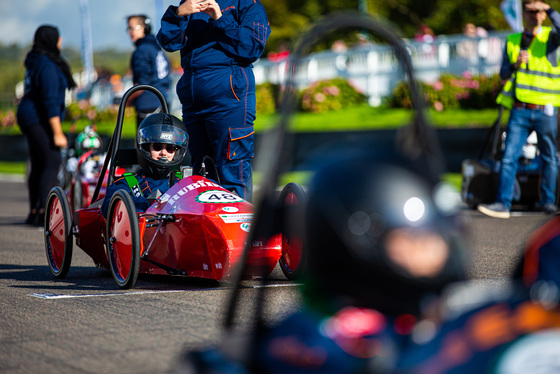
x=30, y=220
x=40, y=220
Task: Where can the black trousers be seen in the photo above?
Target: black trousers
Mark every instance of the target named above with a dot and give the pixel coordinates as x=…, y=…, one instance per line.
x=45, y=163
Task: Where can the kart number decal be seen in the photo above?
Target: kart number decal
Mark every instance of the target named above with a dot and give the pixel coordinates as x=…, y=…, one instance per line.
x=237, y=218
x=245, y=226
x=218, y=197
x=230, y=209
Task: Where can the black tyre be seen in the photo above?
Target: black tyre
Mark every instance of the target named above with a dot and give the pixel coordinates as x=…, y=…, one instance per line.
x=292, y=260
x=123, y=239
x=58, y=233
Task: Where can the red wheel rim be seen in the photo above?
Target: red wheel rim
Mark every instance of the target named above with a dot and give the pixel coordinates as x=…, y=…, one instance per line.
x=121, y=246
x=291, y=246
x=57, y=238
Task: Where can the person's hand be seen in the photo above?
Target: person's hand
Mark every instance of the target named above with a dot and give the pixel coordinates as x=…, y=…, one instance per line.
x=212, y=9
x=191, y=6
x=523, y=58
x=60, y=140
x=538, y=6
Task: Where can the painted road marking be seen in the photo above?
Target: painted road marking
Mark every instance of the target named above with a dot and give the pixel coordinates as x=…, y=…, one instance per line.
x=54, y=296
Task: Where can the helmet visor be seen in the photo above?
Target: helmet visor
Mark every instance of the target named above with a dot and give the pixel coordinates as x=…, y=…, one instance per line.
x=163, y=134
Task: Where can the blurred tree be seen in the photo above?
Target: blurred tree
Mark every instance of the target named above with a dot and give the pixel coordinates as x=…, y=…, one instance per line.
x=288, y=18
x=11, y=60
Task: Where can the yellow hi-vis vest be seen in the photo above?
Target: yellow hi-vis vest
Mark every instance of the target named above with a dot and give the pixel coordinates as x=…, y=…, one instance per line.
x=538, y=81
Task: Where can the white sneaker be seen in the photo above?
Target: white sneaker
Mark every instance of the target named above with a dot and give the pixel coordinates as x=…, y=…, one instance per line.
x=496, y=210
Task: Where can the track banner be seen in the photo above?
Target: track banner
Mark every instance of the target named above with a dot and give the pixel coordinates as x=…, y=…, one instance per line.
x=512, y=13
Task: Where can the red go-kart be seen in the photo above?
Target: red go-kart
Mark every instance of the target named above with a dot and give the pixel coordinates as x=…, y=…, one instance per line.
x=195, y=229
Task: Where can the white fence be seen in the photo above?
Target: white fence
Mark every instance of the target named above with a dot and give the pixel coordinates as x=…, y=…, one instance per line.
x=375, y=71
x=372, y=69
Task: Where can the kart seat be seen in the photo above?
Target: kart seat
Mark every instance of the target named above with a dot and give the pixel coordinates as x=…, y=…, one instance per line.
x=126, y=157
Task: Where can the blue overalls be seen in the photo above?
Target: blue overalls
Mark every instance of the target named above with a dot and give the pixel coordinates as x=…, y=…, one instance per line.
x=217, y=89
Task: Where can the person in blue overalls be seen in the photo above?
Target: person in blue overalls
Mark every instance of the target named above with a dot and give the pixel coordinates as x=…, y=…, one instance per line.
x=219, y=41
x=161, y=146
x=149, y=66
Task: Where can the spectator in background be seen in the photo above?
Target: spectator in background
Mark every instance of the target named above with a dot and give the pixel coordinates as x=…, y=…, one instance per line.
x=149, y=66
x=218, y=46
x=468, y=49
x=339, y=46
x=527, y=58
x=474, y=48
x=40, y=113
x=426, y=36
x=282, y=54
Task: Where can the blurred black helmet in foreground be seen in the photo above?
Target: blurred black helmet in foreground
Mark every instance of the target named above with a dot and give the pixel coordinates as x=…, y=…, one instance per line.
x=380, y=234
x=165, y=129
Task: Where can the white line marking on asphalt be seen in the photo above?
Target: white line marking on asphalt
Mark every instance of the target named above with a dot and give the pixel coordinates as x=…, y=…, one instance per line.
x=61, y=296
x=53, y=296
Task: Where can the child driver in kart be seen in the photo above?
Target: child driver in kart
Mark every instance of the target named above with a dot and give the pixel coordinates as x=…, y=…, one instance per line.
x=161, y=146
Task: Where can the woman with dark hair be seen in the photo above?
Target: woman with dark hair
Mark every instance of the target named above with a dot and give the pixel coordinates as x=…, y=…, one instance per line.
x=40, y=113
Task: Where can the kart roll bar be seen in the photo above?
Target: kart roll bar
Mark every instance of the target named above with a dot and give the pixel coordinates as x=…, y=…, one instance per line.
x=417, y=141
x=116, y=138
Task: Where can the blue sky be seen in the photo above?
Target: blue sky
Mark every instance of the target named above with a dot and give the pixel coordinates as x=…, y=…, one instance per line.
x=20, y=18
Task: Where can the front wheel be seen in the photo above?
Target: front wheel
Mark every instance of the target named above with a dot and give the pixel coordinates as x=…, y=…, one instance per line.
x=58, y=233
x=123, y=239
x=292, y=259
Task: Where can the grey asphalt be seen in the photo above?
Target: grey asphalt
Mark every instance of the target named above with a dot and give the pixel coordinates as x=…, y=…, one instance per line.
x=86, y=324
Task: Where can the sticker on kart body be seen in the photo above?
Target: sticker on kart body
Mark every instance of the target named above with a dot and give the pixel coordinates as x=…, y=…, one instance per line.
x=218, y=197
x=230, y=209
x=191, y=187
x=236, y=218
x=245, y=226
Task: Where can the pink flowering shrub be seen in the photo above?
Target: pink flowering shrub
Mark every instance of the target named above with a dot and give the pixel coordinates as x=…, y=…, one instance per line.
x=7, y=119
x=83, y=110
x=334, y=94
x=453, y=92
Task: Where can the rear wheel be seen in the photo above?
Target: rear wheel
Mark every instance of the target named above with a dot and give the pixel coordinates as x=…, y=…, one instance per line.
x=123, y=239
x=58, y=232
x=292, y=259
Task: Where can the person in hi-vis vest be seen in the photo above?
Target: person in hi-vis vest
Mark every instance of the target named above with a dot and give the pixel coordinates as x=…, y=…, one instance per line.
x=531, y=68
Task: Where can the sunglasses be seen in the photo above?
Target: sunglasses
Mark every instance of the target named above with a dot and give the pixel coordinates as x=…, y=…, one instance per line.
x=137, y=27
x=532, y=11
x=159, y=146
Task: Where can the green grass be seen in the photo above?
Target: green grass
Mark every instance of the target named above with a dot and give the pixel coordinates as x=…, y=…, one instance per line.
x=12, y=167
x=353, y=118
x=368, y=118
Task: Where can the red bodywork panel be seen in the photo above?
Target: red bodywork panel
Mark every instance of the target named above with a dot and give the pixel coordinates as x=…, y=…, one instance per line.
x=205, y=240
